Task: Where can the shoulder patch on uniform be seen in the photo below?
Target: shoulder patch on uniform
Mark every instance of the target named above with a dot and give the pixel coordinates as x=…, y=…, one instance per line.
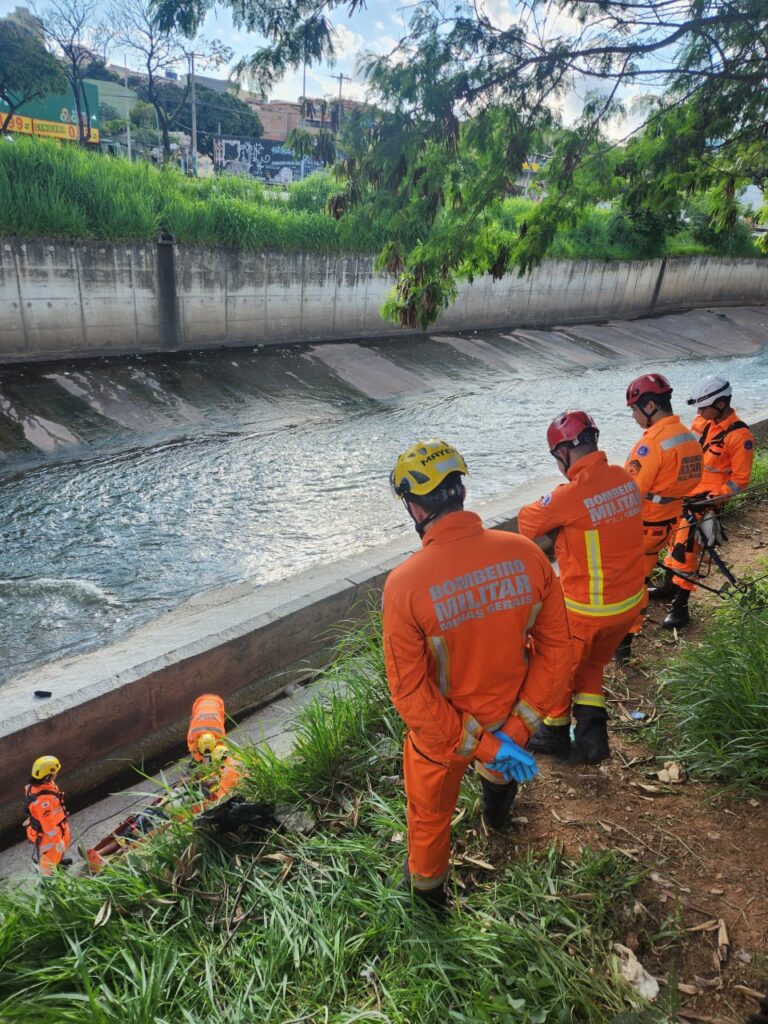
x=546, y=499
x=749, y=445
x=634, y=467
x=642, y=450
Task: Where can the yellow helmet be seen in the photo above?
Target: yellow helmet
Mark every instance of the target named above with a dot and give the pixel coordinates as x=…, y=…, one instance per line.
x=206, y=744
x=423, y=468
x=45, y=766
x=220, y=752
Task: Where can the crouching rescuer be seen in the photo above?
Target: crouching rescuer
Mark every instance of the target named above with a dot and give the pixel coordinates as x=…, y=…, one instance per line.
x=599, y=550
x=477, y=652
x=47, y=821
x=729, y=448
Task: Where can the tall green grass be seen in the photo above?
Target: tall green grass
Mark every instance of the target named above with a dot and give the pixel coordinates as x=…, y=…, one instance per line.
x=714, y=695
x=51, y=190
x=195, y=929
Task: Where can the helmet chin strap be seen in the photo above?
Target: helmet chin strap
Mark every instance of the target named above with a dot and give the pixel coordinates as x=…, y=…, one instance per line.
x=648, y=418
x=421, y=526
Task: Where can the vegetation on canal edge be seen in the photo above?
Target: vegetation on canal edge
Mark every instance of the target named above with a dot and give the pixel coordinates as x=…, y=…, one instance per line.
x=201, y=930
x=714, y=694
x=52, y=191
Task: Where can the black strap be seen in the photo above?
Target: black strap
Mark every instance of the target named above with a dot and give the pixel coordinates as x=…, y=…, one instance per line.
x=720, y=438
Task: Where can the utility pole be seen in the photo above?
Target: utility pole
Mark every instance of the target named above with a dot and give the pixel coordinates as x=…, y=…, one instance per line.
x=194, y=113
x=127, y=110
x=303, y=110
x=342, y=78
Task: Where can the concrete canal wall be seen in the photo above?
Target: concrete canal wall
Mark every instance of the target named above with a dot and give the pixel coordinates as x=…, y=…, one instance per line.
x=60, y=300
x=114, y=707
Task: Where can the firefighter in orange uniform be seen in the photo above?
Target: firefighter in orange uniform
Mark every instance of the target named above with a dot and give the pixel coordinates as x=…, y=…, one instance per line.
x=477, y=652
x=47, y=821
x=599, y=549
x=220, y=772
x=666, y=464
x=207, y=717
x=729, y=448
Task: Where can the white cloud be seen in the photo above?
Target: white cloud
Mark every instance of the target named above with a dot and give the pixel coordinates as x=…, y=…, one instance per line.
x=346, y=42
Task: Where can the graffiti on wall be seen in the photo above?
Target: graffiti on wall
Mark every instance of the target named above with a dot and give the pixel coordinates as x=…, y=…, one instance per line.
x=266, y=159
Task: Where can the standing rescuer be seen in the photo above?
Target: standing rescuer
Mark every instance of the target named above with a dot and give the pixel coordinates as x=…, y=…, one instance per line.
x=729, y=448
x=599, y=549
x=477, y=652
x=666, y=464
x=47, y=821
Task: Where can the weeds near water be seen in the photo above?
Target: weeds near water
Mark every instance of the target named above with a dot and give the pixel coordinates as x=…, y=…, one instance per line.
x=200, y=929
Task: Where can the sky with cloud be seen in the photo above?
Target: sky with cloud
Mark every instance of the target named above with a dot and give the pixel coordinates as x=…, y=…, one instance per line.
x=375, y=28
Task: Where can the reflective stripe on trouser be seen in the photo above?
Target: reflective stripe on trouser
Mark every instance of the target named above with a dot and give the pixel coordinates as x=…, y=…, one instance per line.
x=655, y=538
x=51, y=849
x=594, y=642
x=431, y=790
x=685, y=553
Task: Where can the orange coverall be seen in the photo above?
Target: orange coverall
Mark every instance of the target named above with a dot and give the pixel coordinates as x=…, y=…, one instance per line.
x=475, y=639
x=207, y=716
x=599, y=549
x=666, y=463
x=47, y=824
x=729, y=448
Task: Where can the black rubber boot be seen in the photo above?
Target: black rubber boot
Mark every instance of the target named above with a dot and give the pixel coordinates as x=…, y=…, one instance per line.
x=623, y=652
x=590, y=741
x=65, y=862
x=551, y=739
x=436, y=898
x=665, y=590
x=678, y=615
x=498, y=798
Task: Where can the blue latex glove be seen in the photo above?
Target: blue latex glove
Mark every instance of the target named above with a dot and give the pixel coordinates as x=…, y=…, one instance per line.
x=514, y=763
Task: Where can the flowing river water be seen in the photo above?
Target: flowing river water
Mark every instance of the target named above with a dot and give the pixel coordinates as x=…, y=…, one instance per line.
x=129, y=484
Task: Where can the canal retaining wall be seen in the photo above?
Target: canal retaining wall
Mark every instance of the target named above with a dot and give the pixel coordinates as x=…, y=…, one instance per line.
x=103, y=711
x=61, y=300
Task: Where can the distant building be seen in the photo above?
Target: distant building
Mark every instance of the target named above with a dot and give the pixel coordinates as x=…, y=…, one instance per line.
x=280, y=117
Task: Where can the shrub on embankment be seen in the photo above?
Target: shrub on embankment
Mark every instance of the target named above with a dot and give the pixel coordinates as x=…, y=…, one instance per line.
x=202, y=930
x=50, y=190
x=715, y=695
x=715, y=691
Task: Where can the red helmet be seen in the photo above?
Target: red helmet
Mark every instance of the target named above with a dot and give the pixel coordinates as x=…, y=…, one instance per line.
x=648, y=384
x=568, y=427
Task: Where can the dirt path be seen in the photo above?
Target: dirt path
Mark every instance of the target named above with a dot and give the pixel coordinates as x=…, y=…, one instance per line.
x=706, y=852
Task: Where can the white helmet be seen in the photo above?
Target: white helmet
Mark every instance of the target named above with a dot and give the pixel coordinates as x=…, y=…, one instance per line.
x=708, y=390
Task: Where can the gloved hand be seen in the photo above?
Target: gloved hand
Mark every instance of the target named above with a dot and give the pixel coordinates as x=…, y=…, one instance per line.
x=512, y=761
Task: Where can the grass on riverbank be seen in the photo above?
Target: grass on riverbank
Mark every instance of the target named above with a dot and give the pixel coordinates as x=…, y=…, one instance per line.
x=715, y=698
x=200, y=930
x=49, y=190
x=715, y=691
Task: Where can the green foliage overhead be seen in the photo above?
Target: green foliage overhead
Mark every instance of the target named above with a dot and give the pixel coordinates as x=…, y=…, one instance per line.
x=465, y=99
x=27, y=70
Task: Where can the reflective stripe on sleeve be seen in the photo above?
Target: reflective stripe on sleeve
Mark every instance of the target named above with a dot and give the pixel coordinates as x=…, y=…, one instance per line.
x=601, y=610
x=469, y=737
x=440, y=651
x=678, y=439
x=529, y=715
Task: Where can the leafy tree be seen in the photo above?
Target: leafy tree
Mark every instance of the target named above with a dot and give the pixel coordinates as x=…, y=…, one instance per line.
x=27, y=70
x=464, y=99
x=77, y=34
x=108, y=113
x=161, y=50
x=214, y=110
x=98, y=69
